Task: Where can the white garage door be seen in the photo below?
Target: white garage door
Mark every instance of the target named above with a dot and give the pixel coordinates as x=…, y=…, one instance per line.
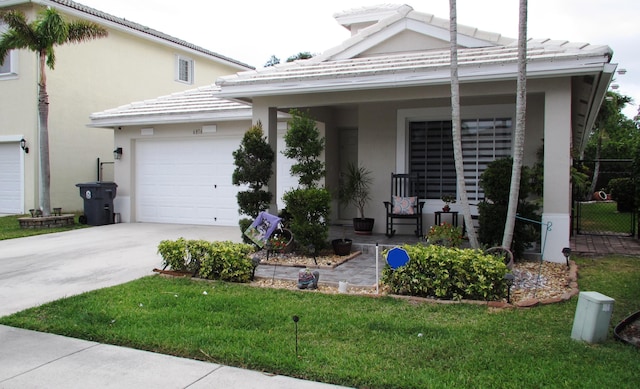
x=186, y=181
x=11, y=178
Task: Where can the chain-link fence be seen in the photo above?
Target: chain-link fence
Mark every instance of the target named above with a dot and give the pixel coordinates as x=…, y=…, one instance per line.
x=608, y=207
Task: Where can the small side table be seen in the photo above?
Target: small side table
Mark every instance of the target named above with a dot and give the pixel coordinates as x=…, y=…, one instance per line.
x=454, y=217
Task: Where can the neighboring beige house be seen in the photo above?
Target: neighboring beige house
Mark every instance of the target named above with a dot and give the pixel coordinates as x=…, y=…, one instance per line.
x=132, y=63
x=382, y=98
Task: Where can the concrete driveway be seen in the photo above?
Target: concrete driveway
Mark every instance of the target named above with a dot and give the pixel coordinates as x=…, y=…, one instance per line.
x=44, y=268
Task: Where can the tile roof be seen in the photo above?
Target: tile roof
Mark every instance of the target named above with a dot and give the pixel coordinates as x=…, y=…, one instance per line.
x=419, y=67
x=192, y=105
x=140, y=28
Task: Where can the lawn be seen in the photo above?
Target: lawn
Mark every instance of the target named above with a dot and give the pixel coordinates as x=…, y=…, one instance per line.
x=355, y=340
x=10, y=228
x=604, y=217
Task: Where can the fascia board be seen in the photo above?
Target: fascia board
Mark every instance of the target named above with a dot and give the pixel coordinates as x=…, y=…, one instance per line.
x=138, y=119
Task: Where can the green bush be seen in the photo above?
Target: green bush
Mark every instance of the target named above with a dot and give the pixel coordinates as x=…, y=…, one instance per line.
x=496, y=183
x=226, y=261
x=174, y=254
x=308, y=210
x=448, y=273
x=623, y=191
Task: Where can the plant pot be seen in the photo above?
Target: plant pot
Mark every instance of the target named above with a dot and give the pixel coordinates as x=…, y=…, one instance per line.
x=363, y=226
x=341, y=247
x=446, y=208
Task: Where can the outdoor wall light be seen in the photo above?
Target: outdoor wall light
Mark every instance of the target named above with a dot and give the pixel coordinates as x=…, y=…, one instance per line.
x=117, y=153
x=23, y=146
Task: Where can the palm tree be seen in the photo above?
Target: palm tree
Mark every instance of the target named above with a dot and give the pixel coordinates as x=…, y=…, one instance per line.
x=41, y=36
x=456, y=125
x=521, y=108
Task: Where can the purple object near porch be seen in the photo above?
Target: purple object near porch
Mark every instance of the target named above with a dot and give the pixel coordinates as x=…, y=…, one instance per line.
x=262, y=228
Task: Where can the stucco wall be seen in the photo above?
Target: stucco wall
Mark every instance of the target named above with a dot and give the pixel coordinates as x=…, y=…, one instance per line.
x=90, y=77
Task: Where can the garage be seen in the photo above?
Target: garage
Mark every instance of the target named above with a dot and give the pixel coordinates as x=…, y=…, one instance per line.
x=11, y=178
x=186, y=181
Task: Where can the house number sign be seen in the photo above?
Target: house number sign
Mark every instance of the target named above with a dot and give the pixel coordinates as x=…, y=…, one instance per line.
x=87, y=195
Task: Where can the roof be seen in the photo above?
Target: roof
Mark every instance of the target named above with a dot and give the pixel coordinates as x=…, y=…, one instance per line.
x=149, y=32
x=545, y=58
x=194, y=105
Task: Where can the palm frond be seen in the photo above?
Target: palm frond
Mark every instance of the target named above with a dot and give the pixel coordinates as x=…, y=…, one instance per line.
x=83, y=31
x=19, y=33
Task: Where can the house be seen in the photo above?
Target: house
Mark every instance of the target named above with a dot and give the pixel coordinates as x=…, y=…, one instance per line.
x=382, y=98
x=133, y=62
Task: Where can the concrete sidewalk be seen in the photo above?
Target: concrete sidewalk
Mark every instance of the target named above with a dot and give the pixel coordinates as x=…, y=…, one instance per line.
x=31, y=359
x=39, y=269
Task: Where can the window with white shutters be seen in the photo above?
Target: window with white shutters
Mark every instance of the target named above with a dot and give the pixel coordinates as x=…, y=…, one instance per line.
x=431, y=153
x=184, y=69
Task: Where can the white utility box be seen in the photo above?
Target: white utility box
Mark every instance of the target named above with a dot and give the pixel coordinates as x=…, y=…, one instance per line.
x=593, y=315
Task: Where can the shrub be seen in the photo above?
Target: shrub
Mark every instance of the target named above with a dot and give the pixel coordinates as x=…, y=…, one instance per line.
x=448, y=273
x=308, y=210
x=623, y=192
x=174, y=254
x=254, y=160
x=496, y=183
x=226, y=261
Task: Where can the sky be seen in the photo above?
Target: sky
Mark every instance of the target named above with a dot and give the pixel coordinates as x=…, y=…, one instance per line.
x=253, y=31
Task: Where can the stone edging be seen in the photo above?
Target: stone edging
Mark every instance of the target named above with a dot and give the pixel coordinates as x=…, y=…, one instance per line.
x=46, y=221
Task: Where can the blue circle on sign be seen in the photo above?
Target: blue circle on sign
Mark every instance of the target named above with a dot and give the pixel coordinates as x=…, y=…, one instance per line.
x=397, y=257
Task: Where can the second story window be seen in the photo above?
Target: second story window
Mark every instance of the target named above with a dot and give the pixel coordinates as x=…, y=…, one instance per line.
x=184, y=69
x=8, y=67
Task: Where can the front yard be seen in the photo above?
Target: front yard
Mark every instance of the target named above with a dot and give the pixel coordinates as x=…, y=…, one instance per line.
x=355, y=340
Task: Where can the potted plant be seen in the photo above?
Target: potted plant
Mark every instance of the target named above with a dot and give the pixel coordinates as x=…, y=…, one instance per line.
x=355, y=189
x=445, y=234
x=448, y=199
x=342, y=246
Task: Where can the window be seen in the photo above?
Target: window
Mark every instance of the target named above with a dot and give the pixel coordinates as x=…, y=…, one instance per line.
x=8, y=67
x=431, y=153
x=184, y=69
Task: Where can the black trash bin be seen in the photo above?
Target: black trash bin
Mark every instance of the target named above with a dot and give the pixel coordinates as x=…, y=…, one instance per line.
x=98, y=202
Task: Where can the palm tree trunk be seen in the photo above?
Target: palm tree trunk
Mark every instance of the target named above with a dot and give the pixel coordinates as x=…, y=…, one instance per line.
x=456, y=126
x=521, y=109
x=43, y=115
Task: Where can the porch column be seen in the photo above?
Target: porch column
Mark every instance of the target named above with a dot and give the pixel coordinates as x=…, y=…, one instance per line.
x=268, y=116
x=557, y=170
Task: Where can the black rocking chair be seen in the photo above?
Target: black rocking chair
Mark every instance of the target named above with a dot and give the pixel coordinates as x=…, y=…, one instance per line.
x=405, y=204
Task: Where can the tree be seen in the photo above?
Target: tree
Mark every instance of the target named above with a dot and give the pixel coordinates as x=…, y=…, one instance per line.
x=254, y=161
x=273, y=61
x=309, y=205
x=41, y=36
x=456, y=126
x=614, y=136
x=521, y=110
x=300, y=55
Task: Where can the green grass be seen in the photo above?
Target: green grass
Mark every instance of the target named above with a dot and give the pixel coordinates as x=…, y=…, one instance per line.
x=10, y=228
x=601, y=216
x=358, y=341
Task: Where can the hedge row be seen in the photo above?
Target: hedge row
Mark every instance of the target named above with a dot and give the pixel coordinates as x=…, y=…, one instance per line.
x=226, y=261
x=448, y=273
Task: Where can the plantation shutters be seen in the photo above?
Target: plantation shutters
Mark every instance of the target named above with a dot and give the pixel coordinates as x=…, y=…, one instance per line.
x=431, y=153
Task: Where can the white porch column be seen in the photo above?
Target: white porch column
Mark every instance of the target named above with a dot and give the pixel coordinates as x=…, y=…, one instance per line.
x=268, y=116
x=557, y=170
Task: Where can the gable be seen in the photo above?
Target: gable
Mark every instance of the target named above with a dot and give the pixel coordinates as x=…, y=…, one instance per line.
x=405, y=41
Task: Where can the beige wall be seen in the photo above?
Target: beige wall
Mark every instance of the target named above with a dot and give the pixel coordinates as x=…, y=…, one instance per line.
x=90, y=77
